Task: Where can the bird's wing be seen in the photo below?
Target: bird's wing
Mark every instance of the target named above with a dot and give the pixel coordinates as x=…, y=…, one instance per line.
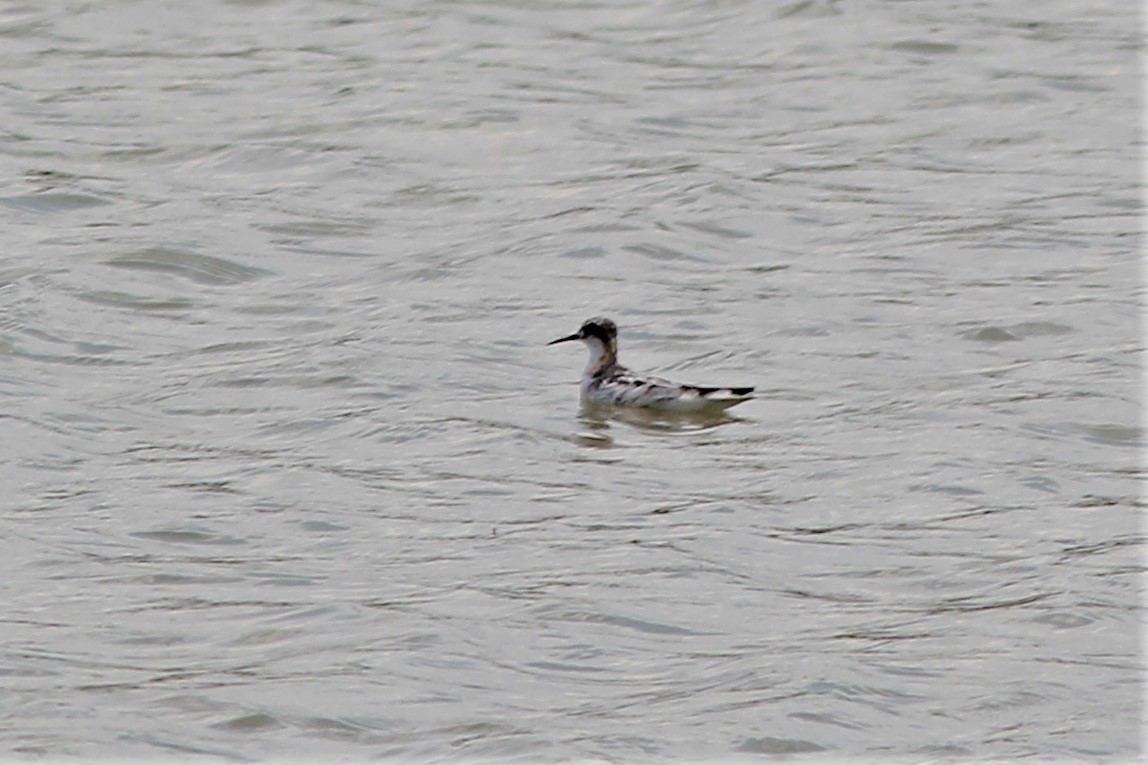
x=625, y=387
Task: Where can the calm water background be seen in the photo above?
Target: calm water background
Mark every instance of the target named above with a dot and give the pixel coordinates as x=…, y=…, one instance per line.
x=287, y=472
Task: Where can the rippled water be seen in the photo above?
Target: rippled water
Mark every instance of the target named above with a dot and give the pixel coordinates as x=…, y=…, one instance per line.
x=290, y=473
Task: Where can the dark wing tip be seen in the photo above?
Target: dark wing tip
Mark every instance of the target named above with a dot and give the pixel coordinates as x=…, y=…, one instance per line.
x=703, y=392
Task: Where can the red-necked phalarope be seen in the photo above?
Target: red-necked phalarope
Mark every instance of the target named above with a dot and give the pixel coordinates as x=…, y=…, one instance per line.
x=608, y=382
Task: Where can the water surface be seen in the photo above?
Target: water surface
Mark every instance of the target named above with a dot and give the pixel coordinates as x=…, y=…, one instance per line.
x=289, y=473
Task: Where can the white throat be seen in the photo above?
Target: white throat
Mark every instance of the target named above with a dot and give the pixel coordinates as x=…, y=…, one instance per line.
x=598, y=352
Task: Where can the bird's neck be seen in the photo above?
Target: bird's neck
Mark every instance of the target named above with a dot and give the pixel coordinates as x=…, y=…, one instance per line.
x=602, y=357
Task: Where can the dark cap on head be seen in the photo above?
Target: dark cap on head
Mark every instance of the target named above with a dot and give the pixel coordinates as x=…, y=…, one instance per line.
x=599, y=327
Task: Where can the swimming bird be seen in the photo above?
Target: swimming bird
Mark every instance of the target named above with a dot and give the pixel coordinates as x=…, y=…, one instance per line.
x=608, y=382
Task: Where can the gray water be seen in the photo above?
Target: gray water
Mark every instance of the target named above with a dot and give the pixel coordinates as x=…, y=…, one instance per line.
x=289, y=474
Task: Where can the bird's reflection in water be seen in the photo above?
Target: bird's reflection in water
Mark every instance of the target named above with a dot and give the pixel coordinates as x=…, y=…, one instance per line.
x=597, y=419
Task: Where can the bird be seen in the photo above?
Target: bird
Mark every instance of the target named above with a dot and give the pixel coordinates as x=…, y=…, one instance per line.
x=606, y=381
